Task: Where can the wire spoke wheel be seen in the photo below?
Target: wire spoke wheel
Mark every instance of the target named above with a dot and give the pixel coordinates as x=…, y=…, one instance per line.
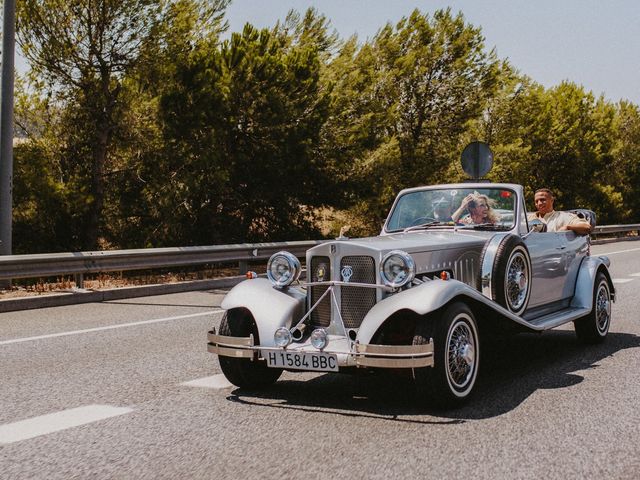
x=603, y=308
x=461, y=361
x=507, y=271
x=517, y=281
x=456, y=344
x=594, y=327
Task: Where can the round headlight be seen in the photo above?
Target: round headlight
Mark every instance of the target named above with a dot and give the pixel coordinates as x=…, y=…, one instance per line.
x=397, y=269
x=283, y=269
x=282, y=337
x=319, y=338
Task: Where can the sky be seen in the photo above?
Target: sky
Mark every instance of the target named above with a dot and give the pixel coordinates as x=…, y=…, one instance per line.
x=594, y=43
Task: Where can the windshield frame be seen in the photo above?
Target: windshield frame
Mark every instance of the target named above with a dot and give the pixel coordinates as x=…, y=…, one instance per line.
x=515, y=190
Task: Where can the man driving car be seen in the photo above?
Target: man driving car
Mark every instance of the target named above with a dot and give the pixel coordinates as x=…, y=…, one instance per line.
x=556, y=221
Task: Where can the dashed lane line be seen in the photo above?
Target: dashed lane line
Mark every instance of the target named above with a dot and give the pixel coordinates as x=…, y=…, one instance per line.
x=55, y=422
x=622, y=280
x=109, y=327
x=216, y=382
x=634, y=274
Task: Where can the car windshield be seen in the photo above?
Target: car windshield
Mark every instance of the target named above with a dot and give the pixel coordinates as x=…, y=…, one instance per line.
x=482, y=208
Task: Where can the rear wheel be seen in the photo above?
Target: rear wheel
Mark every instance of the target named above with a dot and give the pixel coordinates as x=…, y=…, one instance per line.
x=244, y=372
x=456, y=357
x=594, y=327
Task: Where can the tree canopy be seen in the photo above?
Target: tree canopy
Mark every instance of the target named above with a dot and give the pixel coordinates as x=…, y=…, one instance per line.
x=145, y=124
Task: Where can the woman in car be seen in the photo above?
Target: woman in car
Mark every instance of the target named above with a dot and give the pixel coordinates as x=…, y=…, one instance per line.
x=480, y=208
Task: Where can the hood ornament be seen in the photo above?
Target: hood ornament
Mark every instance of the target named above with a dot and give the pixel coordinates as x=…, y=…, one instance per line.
x=347, y=273
x=343, y=230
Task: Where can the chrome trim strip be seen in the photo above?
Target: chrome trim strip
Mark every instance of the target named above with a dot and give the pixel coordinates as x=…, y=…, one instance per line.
x=348, y=284
x=395, y=356
x=393, y=350
x=230, y=341
x=379, y=362
x=230, y=352
x=486, y=269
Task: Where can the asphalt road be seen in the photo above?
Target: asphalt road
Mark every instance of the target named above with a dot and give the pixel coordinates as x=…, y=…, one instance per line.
x=126, y=389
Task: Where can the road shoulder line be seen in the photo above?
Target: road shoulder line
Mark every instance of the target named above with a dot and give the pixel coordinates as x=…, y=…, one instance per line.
x=108, y=327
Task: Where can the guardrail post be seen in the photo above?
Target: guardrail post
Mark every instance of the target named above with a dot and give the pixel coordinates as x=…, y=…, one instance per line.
x=243, y=267
x=79, y=278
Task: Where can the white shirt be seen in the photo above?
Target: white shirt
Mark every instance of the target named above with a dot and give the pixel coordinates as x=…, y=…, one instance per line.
x=555, y=220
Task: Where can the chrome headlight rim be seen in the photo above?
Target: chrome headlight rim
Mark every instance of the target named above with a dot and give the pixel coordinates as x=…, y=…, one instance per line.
x=282, y=337
x=410, y=265
x=294, y=268
x=319, y=338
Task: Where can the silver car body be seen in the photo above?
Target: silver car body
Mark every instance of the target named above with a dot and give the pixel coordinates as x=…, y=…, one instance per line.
x=353, y=304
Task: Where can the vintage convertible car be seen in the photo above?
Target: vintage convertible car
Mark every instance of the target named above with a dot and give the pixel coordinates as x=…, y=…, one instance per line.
x=418, y=298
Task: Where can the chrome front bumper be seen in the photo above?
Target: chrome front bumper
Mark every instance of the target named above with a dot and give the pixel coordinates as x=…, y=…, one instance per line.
x=363, y=355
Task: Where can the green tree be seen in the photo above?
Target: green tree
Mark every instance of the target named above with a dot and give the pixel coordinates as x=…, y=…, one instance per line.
x=405, y=99
x=81, y=51
x=42, y=218
x=241, y=121
x=624, y=171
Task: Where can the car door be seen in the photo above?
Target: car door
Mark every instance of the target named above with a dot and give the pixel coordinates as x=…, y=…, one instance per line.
x=548, y=252
x=576, y=248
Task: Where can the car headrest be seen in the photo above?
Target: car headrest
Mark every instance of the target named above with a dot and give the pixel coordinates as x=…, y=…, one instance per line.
x=585, y=214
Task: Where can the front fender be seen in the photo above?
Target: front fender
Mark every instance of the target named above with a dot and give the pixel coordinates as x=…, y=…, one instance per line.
x=422, y=299
x=271, y=308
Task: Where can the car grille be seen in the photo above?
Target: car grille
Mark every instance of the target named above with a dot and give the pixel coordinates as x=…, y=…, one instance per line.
x=355, y=302
x=321, y=316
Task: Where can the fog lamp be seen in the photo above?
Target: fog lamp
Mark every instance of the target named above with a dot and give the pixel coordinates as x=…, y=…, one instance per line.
x=319, y=338
x=282, y=337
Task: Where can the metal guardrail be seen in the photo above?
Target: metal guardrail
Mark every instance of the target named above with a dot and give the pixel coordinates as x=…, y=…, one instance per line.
x=81, y=263
x=607, y=229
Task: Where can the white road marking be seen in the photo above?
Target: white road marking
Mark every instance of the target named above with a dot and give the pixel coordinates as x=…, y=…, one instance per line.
x=54, y=422
x=109, y=327
x=216, y=382
x=622, y=280
x=634, y=274
x=619, y=251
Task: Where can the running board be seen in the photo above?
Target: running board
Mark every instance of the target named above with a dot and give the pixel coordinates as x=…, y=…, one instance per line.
x=556, y=319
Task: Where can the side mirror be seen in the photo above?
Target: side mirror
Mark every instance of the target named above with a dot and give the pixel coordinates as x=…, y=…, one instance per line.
x=536, y=225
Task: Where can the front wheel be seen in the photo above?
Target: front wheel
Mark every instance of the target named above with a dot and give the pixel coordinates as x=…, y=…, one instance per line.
x=456, y=357
x=593, y=328
x=244, y=372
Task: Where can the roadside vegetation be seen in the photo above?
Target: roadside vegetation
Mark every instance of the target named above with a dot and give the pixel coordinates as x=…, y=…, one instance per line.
x=145, y=123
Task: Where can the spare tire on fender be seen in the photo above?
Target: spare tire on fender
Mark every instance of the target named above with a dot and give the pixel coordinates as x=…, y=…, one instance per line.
x=505, y=272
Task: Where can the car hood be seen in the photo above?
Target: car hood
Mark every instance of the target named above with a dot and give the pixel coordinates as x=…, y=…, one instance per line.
x=422, y=241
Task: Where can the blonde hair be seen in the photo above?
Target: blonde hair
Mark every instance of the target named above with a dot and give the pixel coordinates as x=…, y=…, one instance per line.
x=492, y=216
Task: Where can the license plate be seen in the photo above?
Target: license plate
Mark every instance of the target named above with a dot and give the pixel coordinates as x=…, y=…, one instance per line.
x=317, y=362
